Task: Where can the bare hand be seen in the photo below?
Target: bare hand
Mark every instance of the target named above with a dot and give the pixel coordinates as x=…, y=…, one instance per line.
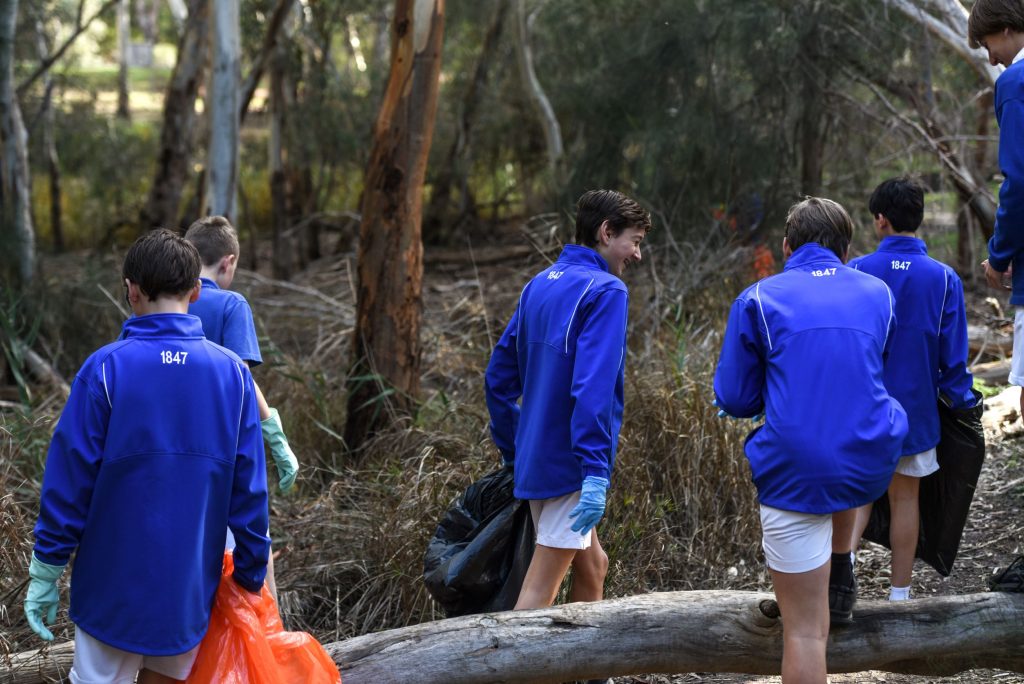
x=996, y=279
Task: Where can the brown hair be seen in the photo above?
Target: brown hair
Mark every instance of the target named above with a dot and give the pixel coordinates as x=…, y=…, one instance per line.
x=820, y=220
x=992, y=16
x=162, y=263
x=597, y=206
x=214, y=237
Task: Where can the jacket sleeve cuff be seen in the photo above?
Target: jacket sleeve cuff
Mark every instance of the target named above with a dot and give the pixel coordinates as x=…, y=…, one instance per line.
x=998, y=264
x=593, y=471
x=249, y=584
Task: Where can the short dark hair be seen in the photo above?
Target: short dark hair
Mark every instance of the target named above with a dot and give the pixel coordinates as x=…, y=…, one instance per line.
x=901, y=200
x=162, y=263
x=992, y=16
x=214, y=237
x=820, y=220
x=594, y=207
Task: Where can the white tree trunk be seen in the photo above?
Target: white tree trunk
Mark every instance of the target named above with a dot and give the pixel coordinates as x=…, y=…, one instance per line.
x=222, y=159
x=535, y=91
x=179, y=10
x=950, y=26
x=18, y=234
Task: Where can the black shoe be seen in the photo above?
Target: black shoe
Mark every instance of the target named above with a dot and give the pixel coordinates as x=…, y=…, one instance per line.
x=1011, y=579
x=841, y=598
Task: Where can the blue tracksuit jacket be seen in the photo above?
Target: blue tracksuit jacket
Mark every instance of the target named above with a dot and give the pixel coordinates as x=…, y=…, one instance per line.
x=158, y=452
x=1006, y=246
x=227, y=321
x=928, y=354
x=564, y=354
x=806, y=347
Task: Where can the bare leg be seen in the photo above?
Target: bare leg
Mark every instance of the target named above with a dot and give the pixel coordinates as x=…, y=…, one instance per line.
x=1022, y=402
x=269, y=581
x=903, y=528
x=803, y=601
x=150, y=677
x=847, y=527
x=544, y=576
x=589, y=568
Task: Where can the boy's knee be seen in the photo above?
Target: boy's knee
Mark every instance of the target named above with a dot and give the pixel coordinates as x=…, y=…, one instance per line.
x=592, y=565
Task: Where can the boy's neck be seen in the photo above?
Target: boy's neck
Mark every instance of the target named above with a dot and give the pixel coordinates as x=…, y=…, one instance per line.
x=209, y=272
x=162, y=305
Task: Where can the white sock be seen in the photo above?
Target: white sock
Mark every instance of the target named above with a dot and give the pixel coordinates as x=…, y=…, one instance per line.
x=899, y=593
x=853, y=559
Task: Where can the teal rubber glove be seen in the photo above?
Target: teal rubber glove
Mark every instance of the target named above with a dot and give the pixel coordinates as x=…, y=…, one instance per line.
x=43, y=596
x=723, y=414
x=590, y=509
x=284, y=458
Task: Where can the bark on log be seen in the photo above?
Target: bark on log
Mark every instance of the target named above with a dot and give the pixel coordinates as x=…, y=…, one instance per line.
x=710, y=631
x=671, y=632
x=994, y=342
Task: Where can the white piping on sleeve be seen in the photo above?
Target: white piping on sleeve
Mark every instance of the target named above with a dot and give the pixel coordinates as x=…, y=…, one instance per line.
x=519, y=318
x=760, y=306
x=106, y=390
x=892, y=313
x=569, y=327
x=241, y=406
x=945, y=291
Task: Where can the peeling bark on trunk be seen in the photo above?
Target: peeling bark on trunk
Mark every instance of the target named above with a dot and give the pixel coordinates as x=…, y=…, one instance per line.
x=18, y=238
x=225, y=97
x=385, y=372
x=177, y=136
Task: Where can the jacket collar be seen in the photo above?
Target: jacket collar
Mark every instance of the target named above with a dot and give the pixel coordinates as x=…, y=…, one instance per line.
x=209, y=284
x=162, y=325
x=904, y=244
x=811, y=253
x=583, y=256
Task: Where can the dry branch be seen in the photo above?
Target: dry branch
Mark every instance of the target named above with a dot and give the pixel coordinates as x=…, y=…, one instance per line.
x=700, y=631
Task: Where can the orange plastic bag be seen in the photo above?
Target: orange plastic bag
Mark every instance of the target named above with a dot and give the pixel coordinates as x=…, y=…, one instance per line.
x=247, y=644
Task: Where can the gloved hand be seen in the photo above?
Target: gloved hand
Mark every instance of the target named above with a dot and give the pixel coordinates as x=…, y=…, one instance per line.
x=590, y=509
x=43, y=596
x=284, y=458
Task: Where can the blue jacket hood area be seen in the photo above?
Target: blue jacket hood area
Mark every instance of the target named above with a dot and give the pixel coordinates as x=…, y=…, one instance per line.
x=563, y=353
x=1006, y=246
x=928, y=354
x=805, y=348
x=157, y=452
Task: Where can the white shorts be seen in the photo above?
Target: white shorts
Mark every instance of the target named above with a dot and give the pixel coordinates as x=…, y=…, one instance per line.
x=1017, y=361
x=97, y=663
x=553, y=524
x=795, y=542
x=918, y=465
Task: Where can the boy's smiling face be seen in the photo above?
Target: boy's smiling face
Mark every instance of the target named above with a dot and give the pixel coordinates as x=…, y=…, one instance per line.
x=619, y=250
x=1002, y=46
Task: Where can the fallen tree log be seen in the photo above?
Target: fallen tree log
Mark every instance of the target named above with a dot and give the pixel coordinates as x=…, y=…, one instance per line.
x=671, y=632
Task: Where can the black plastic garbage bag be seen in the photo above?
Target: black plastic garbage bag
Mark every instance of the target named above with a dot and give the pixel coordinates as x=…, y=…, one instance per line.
x=478, y=557
x=946, y=495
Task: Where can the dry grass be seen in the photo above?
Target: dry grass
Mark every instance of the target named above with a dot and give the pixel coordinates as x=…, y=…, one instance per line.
x=350, y=541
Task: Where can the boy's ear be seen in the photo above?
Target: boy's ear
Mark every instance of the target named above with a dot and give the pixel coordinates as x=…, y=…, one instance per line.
x=193, y=294
x=786, y=251
x=604, y=233
x=226, y=262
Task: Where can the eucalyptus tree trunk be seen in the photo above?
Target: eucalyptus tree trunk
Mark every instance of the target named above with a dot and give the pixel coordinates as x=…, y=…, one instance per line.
x=124, y=41
x=177, y=135
x=180, y=12
x=50, y=145
x=385, y=371
x=147, y=14
x=18, y=237
x=455, y=169
x=538, y=98
x=225, y=96
x=278, y=188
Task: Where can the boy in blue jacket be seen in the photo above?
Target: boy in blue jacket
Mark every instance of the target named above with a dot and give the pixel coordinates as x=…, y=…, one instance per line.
x=928, y=355
x=157, y=453
x=805, y=348
x=998, y=26
x=563, y=354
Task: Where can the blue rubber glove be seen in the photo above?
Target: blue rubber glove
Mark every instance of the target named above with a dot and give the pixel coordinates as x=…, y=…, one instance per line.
x=43, y=596
x=284, y=458
x=590, y=509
